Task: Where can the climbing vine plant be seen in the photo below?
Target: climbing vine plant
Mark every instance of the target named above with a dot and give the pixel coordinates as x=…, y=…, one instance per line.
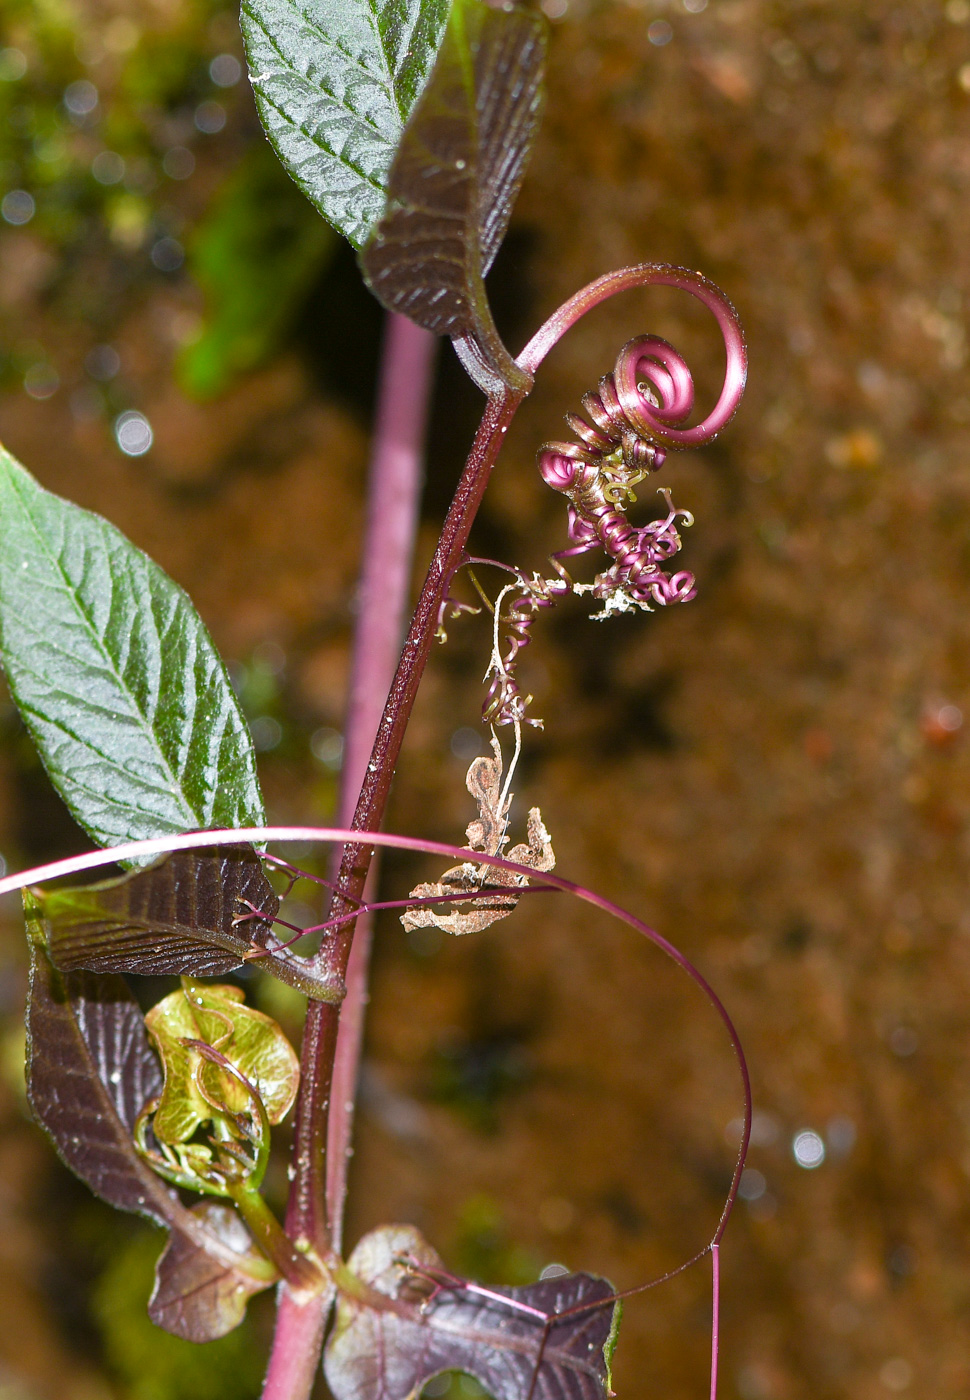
x=408, y=124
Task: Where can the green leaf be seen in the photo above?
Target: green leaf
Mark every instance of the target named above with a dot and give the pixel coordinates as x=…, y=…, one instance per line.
x=255, y=254
x=115, y=676
x=454, y=180
x=335, y=82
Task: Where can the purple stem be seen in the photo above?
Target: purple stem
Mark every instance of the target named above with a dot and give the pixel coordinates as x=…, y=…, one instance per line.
x=715, y=1315
x=396, y=475
x=394, y=487
x=297, y=1342
x=306, y=1219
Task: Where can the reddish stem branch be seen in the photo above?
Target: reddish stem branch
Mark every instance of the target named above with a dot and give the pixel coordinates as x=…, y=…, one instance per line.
x=322, y=1144
x=396, y=475
x=306, y=1214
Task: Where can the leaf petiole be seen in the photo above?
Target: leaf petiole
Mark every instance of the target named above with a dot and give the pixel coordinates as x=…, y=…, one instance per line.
x=303, y=1271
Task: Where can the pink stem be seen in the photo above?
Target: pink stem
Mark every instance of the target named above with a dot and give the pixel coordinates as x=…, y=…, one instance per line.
x=715, y=1316
x=396, y=474
x=297, y=1340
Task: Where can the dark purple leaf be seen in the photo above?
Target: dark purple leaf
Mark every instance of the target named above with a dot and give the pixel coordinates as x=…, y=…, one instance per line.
x=198, y=1295
x=388, y=1350
x=454, y=179
x=90, y=1071
x=178, y=916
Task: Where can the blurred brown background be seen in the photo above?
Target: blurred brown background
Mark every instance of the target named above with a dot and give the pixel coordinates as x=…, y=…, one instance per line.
x=775, y=776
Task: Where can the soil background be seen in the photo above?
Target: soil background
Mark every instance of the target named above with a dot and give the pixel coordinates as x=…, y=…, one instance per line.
x=776, y=776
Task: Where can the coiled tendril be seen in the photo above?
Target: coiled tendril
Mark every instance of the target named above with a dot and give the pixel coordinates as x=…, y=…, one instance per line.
x=631, y=422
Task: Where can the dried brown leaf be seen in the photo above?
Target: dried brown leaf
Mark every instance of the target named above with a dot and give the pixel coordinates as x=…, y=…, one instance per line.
x=465, y=883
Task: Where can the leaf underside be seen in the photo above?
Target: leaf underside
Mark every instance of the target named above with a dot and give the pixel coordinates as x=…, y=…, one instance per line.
x=335, y=82
x=195, y=1292
x=174, y=917
x=377, y=1354
x=455, y=177
x=115, y=675
x=188, y=913
x=90, y=1071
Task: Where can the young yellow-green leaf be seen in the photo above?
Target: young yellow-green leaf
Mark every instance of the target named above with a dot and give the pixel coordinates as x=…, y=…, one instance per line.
x=115, y=675
x=251, y=1042
x=455, y=177
x=335, y=82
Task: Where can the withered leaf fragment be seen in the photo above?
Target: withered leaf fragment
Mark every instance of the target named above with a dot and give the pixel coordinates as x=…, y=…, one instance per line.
x=486, y=834
x=90, y=1069
x=191, y=912
x=454, y=178
x=389, y=1352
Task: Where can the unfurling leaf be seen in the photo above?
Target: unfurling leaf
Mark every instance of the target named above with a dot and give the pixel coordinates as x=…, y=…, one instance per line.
x=196, y=1295
x=115, y=675
x=512, y=1340
x=198, y=1090
x=334, y=82
x=488, y=835
x=90, y=1070
x=454, y=179
x=200, y=912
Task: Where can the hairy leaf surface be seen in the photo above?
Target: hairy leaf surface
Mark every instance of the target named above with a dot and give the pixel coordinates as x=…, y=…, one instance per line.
x=90, y=1071
x=389, y=1353
x=455, y=178
x=188, y=913
x=115, y=675
x=335, y=82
